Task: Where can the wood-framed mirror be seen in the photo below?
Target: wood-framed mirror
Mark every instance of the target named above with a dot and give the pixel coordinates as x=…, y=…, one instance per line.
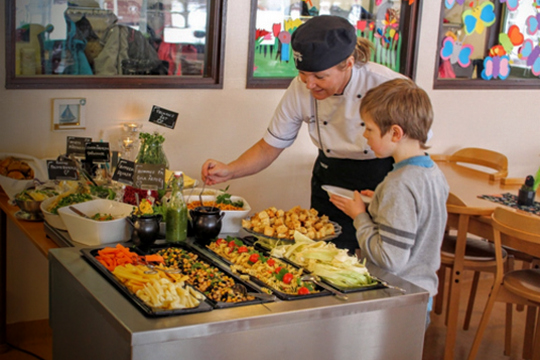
x=391, y=25
x=74, y=44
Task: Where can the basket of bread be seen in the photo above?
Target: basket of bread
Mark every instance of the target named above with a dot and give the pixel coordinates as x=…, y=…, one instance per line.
x=18, y=171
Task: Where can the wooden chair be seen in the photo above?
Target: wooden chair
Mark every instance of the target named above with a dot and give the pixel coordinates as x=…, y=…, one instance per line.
x=520, y=231
x=482, y=157
x=479, y=256
x=477, y=249
x=458, y=217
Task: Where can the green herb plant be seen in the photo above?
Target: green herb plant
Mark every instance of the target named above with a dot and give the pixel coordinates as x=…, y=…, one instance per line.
x=151, y=151
x=225, y=198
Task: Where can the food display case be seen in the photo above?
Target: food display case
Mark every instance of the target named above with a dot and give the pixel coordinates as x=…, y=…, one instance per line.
x=93, y=320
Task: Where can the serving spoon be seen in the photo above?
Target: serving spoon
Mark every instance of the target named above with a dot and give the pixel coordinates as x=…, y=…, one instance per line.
x=79, y=212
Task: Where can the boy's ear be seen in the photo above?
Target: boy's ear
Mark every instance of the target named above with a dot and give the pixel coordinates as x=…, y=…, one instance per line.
x=397, y=133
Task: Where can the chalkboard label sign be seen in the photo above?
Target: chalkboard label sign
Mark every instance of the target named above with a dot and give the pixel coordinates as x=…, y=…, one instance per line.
x=77, y=145
x=149, y=176
x=98, y=152
x=62, y=170
x=163, y=117
x=124, y=172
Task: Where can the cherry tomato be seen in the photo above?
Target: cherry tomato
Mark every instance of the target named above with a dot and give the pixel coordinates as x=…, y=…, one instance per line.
x=254, y=258
x=271, y=262
x=231, y=244
x=221, y=241
x=278, y=269
x=242, y=249
x=303, y=291
x=287, y=278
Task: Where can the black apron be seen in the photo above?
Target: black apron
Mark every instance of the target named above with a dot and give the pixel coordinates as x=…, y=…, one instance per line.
x=349, y=174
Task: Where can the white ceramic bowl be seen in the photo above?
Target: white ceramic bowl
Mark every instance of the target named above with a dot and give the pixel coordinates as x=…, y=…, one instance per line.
x=232, y=221
x=52, y=219
x=94, y=232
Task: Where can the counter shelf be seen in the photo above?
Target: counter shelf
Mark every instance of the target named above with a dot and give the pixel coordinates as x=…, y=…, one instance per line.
x=280, y=294
x=202, y=257
x=90, y=254
x=252, y=240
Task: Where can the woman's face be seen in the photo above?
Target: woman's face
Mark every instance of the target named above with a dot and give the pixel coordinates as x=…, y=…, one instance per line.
x=324, y=84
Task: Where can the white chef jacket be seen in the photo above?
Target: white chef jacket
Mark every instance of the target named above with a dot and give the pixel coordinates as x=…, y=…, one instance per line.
x=339, y=129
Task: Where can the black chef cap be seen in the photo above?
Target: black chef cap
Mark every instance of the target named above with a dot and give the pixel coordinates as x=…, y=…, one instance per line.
x=322, y=42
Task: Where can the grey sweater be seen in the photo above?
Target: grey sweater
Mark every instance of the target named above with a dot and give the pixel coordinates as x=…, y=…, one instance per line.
x=404, y=229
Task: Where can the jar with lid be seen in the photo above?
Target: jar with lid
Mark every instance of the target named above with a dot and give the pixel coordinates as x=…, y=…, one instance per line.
x=151, y=150
x=176, y=216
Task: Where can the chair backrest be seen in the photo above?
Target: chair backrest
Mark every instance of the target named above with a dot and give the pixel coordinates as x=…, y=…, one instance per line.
x=518, y=230
x=483, y=157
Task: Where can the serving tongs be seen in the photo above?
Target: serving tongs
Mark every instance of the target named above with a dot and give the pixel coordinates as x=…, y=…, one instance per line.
x=152, y=269
x=386, y=284
x=314, y=279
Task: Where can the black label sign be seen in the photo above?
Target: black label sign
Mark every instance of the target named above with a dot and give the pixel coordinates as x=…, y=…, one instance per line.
x=77, y=145
x=163, y=117
x=124, y=172
x=149, y=176
x=98, y=152
x=62, y=170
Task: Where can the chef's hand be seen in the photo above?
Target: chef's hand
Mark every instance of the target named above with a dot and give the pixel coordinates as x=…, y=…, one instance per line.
x=350, y=207
x=215, y=172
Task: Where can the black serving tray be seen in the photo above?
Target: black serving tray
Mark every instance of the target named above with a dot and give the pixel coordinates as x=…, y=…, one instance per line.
x=278, y=293
x=90, y=255
x=211, y=262
x=345, y=289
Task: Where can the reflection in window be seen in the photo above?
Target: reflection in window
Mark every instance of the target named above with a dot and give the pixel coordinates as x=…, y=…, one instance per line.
x=276, y=20
x=111, y=37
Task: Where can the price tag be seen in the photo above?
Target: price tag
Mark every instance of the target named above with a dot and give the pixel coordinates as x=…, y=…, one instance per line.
x=76, y=145
x=124, y=172
x=163, y=117
x=149, y=176
x=62, y=170
x=97, y=152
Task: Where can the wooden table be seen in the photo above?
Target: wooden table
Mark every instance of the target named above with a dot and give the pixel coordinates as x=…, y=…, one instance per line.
x=467, y=184
x=35, y=232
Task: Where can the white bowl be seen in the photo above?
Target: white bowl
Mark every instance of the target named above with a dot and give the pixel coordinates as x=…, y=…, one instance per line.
x=52, y=219
x=232, y=221
x=94, y=232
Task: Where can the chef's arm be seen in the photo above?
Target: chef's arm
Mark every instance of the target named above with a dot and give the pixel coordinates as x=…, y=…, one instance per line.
x=255, y=159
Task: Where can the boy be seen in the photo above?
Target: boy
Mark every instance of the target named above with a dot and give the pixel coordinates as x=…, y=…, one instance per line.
x=403, y=231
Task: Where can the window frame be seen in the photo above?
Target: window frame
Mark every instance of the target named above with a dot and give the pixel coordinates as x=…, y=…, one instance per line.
x=214, y=63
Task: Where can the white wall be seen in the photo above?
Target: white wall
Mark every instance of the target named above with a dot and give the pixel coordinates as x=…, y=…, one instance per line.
x=223, y=123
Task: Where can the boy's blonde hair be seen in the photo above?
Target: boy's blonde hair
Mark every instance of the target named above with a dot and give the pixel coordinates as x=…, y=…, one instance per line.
x=400, y=102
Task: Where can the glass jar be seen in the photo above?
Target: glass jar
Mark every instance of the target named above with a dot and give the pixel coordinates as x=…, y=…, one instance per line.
x=151, y=150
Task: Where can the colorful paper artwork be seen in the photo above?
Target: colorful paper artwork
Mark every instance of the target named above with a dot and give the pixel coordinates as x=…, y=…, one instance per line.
x=479, y=18
x=512, y=5
x=450, y=3
x=496, y=67
x=531, y=53
x=456, y=52
x=532, y=23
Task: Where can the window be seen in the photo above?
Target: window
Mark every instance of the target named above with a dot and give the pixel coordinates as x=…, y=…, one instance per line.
x=486, y=44
x=390, y=24
x=114, y=43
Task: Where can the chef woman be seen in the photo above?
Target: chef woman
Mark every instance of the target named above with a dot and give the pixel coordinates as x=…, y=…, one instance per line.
x=334, y=73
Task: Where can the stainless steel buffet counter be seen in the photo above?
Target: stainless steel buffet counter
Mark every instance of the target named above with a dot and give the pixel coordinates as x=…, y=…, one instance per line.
x=91, y=319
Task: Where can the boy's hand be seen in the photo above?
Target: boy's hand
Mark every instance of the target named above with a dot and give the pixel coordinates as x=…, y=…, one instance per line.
x=350, y=207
